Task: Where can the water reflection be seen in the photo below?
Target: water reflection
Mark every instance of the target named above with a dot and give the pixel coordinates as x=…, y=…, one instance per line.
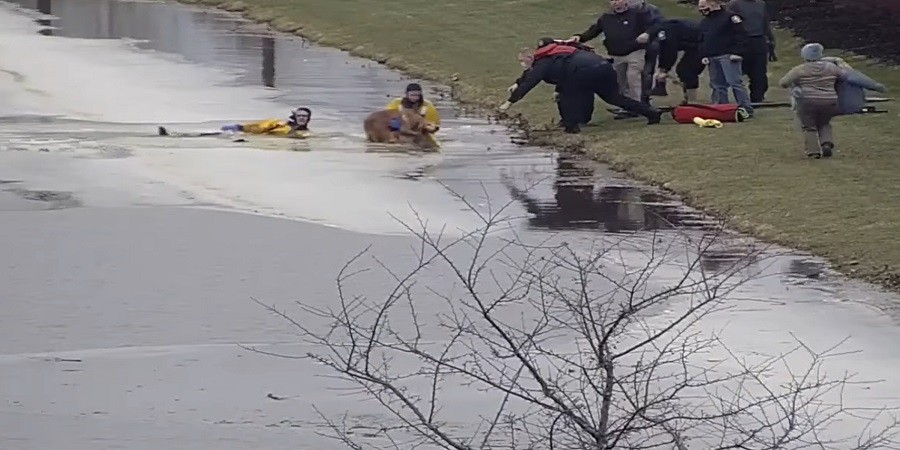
x=156, y=26
x=268, y=61
x=45, y=7
x=211, y=38
x=579, y=203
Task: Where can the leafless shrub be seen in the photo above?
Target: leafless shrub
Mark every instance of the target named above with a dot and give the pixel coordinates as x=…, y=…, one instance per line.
x=577, y=349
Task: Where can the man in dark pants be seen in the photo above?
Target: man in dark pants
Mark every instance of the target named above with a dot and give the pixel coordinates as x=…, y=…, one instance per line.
x=652, y=54
x=724, y=39
x=577, y=74
x=586, y=104
x=760, y=45
x=620, y=26
x=674, y=36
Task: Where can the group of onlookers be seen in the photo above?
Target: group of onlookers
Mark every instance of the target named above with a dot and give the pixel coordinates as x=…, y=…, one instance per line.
x=732, y=39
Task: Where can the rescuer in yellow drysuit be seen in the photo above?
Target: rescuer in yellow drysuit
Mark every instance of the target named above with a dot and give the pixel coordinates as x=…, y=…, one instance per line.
x=413, y=99
x=297, y=126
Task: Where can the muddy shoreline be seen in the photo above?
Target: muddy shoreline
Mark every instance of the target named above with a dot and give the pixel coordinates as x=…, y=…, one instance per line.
x=535, y=135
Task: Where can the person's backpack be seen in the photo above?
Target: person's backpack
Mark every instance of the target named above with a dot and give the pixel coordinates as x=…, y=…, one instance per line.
x=728, y=112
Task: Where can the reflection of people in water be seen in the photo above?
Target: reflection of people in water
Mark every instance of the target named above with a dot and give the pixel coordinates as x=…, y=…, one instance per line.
x=618, y=208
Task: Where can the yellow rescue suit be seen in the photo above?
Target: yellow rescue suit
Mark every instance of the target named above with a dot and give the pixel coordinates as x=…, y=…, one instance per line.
x=427, y=110
x=274, y=127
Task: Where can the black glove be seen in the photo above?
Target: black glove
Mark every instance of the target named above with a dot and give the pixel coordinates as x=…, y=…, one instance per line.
x=772, y=56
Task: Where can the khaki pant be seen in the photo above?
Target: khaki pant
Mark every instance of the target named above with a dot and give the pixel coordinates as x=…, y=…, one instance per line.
x=815, y=121
x=629, y=68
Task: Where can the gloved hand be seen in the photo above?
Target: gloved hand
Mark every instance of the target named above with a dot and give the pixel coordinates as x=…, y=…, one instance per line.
x=512, y=87
x=772, y=56
x=232, y=128
x=705, y=61
x=505, y=106
x=643, y=38
x=736, y=58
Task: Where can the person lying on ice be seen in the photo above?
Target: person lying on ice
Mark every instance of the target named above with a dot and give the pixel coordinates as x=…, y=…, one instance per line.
x=674, y=36
x=577, y=74
x=297, y=125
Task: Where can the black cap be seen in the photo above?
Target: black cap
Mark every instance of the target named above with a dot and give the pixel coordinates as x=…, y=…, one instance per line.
x=413, y=87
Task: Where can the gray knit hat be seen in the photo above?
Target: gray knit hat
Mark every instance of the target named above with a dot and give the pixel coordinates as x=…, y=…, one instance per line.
x=812, y=52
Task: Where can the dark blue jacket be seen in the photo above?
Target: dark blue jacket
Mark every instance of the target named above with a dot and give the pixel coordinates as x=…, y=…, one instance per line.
x=555, y=69
x=757, y=20
x=675, y=35
x=723, y=34
x=620, y=30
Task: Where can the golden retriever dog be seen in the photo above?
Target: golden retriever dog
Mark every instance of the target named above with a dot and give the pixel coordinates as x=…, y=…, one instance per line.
x=414, y=129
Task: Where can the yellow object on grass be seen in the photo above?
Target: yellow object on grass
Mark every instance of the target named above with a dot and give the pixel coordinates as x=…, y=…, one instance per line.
x=428, y=110
x=275, y=127
x=707, y=123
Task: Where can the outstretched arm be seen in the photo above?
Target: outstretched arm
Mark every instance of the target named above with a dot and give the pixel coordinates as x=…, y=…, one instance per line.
x=591, y=32
x=529, y=79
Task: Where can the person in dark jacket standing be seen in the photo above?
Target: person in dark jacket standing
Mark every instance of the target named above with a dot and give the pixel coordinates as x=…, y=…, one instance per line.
x=760, y=47
x=621, y=26
x=723, y=43
x=576, y=73
x=674, y=36
x=651, y=55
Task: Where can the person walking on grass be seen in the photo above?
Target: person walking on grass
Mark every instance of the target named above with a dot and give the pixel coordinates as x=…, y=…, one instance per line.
x=723, y=43
x=813, y=87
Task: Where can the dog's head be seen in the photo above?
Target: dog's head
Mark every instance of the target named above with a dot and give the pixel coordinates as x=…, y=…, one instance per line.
x=415, y=122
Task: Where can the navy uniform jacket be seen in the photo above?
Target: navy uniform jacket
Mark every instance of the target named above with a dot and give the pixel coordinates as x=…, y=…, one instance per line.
x=723, y=34
x=757, y=21
x=620, y=30
x=675, y=35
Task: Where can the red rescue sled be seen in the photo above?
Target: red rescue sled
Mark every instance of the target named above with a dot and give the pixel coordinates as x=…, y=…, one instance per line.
x=727, y=112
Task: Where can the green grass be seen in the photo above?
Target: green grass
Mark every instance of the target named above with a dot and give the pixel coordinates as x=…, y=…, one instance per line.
x=846, y=209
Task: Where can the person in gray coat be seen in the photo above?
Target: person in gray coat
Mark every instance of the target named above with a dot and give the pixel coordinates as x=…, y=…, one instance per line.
x=813, y=86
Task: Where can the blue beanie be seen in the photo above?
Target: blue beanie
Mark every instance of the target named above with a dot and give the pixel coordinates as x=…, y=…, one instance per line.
x=812, y=52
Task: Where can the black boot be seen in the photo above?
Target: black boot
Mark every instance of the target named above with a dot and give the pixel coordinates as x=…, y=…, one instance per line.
x=654, y=117
x=572, y=129
x=827, y=149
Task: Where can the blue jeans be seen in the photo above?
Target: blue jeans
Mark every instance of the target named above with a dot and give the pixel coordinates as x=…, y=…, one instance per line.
x=725, y=74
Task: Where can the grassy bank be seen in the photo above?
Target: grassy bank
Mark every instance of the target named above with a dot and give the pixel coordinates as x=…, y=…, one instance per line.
x=846, y=209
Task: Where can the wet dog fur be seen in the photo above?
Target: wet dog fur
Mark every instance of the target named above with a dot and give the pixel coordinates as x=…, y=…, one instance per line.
x=414, y=130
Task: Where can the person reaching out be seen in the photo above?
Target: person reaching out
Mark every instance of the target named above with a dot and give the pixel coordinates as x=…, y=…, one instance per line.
x=576, y=73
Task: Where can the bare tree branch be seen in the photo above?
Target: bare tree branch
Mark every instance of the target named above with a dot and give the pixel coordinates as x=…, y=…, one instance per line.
x=581, y=347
